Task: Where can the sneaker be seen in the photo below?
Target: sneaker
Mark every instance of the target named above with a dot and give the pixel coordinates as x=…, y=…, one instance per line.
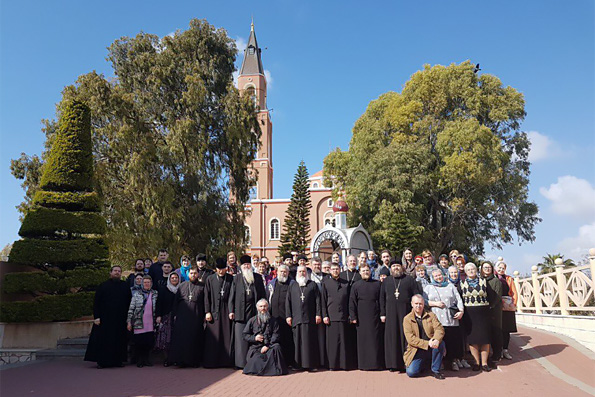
x=454, y=367
x=464, y=364
x=506, y=354
x=476, y=367
x=438, y=375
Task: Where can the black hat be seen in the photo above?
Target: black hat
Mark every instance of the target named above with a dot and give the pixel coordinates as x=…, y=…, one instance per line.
x=395, y=262
x=220, y=263
x=201, y=257
x=384, y=271
x=287, y=255
x=245, y=259
x=302, y=256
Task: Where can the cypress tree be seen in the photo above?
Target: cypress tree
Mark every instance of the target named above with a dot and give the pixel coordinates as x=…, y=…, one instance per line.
x=296, y=227
x=62, y=234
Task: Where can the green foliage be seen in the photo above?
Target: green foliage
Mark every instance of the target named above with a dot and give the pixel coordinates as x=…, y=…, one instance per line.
x=296, y=226
x=69, y=165
x=548, y=265
x=28, y=169
x=54, y=281
x=173, y=141
x=49, y=221
x=72, y=201
x=440, y=165
x=65, y=254
x=48, y=308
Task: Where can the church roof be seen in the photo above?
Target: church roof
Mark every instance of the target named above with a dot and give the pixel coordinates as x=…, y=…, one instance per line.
x=252, y=63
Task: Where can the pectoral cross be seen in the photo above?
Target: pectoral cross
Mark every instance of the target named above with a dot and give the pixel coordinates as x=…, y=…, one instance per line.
x=189, y=297
x=396, y=294
x=248, y=291
x=302, y=297
x=222, y=292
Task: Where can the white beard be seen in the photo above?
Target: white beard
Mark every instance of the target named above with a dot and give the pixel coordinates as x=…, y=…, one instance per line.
x=248, y=275
x=301, y=280
x=282, y=279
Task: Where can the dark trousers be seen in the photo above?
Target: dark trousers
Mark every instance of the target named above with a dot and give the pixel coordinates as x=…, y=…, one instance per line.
x=143, y=344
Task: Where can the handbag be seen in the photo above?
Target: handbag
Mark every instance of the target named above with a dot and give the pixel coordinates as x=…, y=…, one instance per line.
x=508, y=304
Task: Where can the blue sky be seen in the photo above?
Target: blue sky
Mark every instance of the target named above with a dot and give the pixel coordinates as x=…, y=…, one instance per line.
x=327, y=61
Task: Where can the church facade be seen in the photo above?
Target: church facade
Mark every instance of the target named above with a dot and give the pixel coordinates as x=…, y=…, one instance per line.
x=265, y=215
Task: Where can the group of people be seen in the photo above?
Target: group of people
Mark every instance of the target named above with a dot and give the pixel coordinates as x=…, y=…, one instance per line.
x=404, y=315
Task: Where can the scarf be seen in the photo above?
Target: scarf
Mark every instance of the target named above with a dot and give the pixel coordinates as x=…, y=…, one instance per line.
x=473, y=282
x=146, y=293
x=435, y=283
x=170, y=286
x=422, y=280
x=502, y=278
x=372, y=263
x=184, y=272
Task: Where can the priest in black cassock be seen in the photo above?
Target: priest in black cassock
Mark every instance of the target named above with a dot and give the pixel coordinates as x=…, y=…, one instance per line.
x=303, y=310
x=245, y=292
x=107, y=342
x=341, y=343
x=219, y=327
x=315, y=274
x=351, y=274
x=277, y=290
x=364, y=312
x=189, y=315
x=262, y=333
x=395, y=303
x=203, y=271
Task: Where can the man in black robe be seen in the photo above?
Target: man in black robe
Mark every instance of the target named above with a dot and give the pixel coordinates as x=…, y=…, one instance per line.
x=395, y=303
x=364, y=312
x=351, y=274
x=315, y=274
x=340, y=341
x=218, y=329
x=245, y=292
x=139, y=267
x=189, y=315
x=155, y=270
x=303, y=310
x=262, y=334
x=203, y=271
x=107, y=342
x=277, y=289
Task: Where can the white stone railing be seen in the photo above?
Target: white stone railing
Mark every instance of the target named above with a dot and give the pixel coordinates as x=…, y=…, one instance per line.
x=565, y=291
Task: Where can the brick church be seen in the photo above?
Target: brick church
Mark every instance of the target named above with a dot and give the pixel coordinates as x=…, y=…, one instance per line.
x=265, y=215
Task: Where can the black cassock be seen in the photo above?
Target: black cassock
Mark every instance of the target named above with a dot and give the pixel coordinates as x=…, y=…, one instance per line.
x=242, y=303
x=218, y=352
x=270, y=363
x=107, y=342
x=351, y=276
x=303, y=305
x=364, y=306
x=277, y=298
x=203, y=274
x=188, y=332
x=395, y=309
x=340, y=336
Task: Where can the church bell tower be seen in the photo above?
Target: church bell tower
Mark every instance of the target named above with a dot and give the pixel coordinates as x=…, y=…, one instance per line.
x=252, y=82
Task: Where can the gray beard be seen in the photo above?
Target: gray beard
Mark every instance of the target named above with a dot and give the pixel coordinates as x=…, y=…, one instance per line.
x=301, y=281
x=263, y=317
x=282, y=279
x=248, y=276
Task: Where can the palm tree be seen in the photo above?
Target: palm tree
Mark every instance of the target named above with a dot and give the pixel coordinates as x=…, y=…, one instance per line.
x=549, y=263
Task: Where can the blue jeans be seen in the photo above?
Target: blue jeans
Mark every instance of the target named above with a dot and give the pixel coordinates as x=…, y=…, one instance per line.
x=424, y=357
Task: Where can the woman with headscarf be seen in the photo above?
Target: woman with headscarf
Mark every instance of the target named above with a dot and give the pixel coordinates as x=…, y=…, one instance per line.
x=141, y=320
x=509, y=301
x=138, y=282
x=455, y=279
x=474, y=292
x=164, y=319
x=446, y=303
x=185, y=265
x=408, y=262
x=421, y=277
x=495, y=300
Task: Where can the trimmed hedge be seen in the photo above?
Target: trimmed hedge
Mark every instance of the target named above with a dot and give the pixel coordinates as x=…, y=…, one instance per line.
x=54, y=280
x=48, y=308
x=65, y=254
x=72, y=201
x=69, y=165
x=49, y=221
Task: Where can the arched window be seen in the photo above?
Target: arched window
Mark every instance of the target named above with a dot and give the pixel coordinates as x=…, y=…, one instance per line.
x=251, y=92
x=329, y=218
x=329, y=203
x=275, y=229
x=254, y=192
x=315, y=185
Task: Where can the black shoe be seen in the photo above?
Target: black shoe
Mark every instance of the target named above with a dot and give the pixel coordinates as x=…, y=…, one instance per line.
x=148, y=364
x=165, y=364
x=438, y=375
x=475, y=367
x=485, y=368
x=121, y=365
x=401, y=371
x=99, y=366
x=140, y=365
x=493, y=365
x=392, y=369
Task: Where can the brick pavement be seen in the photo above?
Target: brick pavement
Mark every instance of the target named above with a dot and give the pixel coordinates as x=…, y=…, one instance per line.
x=528, y=374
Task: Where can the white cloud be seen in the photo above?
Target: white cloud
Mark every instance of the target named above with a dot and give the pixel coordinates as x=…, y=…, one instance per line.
x=571, y=196
x=576, y=247
x=241, y=44
x=542, y=147
x=269, y=78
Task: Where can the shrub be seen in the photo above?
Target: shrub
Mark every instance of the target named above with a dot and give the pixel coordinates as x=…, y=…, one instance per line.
x=73, y=201
x=48, y=308
x=51, y=221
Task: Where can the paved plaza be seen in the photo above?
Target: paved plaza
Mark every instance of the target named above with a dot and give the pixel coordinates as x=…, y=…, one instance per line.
x=543, y=365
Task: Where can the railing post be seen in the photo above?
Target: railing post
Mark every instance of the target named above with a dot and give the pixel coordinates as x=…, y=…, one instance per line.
x=517, y=284
x=592, y=263
x=536, y=294
x=562, y=293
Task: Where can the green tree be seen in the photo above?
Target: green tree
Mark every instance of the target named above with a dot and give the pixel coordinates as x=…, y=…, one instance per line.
x=548, y=265
x=296, y=226
x=447, y=155
x=173, y=141
x=62, y=232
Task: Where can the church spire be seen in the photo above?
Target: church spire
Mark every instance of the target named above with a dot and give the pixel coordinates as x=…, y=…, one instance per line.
x=252, y=63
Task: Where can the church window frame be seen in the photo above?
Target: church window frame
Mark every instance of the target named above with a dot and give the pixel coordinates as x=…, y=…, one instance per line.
x=274, y=229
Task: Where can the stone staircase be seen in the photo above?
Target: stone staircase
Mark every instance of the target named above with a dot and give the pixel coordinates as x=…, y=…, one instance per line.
x=71, y=347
